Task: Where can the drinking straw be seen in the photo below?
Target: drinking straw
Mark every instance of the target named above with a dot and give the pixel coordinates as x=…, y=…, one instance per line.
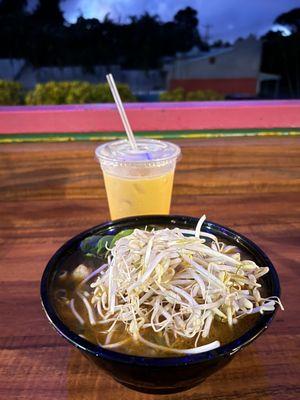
x=121, y=110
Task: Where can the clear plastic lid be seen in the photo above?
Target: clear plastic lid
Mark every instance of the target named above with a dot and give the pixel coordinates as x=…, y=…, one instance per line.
x=149, y=153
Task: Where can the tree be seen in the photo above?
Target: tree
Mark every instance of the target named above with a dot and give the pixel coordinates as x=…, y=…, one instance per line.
x=44, y=39
x=48, y=11
x=290, y=19
x=281, y=54
x=140, y=42
x=12, y=7
x=13, y=17
x=187, y=18
x=187, y=36
x=219, y=43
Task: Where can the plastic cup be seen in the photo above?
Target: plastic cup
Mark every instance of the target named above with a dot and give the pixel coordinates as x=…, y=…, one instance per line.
x=138, y=182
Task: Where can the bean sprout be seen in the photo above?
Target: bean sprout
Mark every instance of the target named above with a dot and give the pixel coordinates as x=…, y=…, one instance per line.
x=175, y=282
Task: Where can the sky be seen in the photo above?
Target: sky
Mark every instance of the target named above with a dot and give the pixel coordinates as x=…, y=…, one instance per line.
x=228, y=19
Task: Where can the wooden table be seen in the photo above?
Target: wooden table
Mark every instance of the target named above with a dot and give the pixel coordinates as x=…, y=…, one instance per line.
x=50, y=192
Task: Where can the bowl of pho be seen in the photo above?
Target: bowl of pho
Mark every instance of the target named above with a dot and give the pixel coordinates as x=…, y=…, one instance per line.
x=160, y=302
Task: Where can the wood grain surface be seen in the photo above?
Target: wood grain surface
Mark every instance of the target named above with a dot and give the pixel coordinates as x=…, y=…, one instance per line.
x=49, y=192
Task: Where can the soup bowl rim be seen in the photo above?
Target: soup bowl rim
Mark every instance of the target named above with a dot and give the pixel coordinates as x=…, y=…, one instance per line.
x=225, y=350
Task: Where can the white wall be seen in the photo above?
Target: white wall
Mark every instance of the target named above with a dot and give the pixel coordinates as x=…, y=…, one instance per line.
x=240, y=61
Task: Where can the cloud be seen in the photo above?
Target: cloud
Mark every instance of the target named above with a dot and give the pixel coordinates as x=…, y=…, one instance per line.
x=229, y=19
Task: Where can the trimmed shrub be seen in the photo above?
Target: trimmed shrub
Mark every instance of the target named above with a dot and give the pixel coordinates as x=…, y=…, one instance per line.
x=75, y=92
x=48, y=93
x=11, y=93
x=179, y=94
x=204, y=95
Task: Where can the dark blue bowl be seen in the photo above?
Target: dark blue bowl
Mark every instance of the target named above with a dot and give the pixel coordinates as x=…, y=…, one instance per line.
x=159, y=375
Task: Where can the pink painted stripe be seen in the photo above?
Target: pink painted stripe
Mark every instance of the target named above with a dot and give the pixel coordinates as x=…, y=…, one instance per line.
x=152, y=117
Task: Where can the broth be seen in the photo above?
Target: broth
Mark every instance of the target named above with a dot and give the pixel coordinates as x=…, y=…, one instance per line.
x=65, y=288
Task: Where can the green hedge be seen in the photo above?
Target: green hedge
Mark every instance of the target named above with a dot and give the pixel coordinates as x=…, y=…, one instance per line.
x=180, y=94
x=75, y=93
x=11, y=93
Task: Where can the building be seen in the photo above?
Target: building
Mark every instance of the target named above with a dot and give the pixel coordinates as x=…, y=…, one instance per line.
x=233, y=70
x=10, y=68
x=140, y=82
